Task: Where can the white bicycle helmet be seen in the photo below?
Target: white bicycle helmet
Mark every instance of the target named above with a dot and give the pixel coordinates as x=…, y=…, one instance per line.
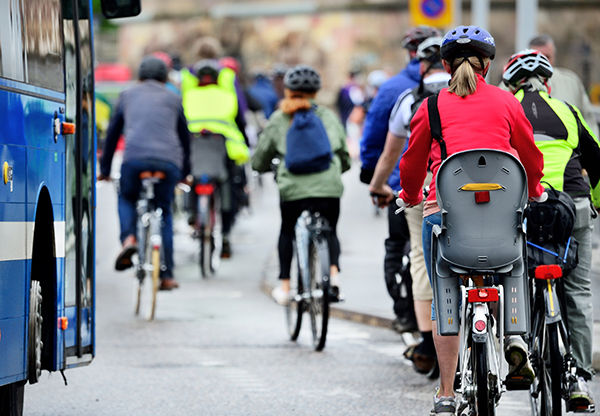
x=524, y=65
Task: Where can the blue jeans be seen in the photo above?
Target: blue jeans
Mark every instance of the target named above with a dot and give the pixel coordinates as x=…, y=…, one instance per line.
x=130, y=187
x=428, y=223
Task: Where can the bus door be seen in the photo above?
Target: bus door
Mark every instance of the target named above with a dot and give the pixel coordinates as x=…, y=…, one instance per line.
x=80, y=183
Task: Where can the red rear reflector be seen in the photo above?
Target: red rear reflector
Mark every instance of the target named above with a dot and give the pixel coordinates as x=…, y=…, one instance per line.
x=63, y=323
x=482, y=197
x=480, y=325
x=548, y=271
x=483, y=295
x=204, y=189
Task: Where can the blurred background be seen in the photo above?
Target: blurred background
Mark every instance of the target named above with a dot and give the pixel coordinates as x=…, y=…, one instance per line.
x=343, y=36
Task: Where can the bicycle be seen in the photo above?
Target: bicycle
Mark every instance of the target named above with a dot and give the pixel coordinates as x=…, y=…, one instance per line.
x=471, y=271
x=150, y=248
x=207, y=225
x=309, y=282
x=549, y=343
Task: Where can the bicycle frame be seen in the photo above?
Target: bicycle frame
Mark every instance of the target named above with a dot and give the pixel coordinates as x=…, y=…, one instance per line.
x=149, y=224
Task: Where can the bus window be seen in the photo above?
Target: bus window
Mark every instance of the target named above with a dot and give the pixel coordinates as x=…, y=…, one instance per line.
x=120, y=8
x=12, y=65
x=44, y=50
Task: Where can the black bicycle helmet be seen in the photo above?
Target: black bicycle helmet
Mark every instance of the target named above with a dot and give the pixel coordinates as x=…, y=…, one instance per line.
x=302, y=78
x=413, y=37
x=468, y=41
x=153, y=68
x=524, y=65
x=207, y=71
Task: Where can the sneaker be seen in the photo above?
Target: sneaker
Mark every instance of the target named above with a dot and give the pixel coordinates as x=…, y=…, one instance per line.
x=443, y=406
x=520, y=373
x=281, y=296
x=226, y=249
x=404, y=324
x=579, y=399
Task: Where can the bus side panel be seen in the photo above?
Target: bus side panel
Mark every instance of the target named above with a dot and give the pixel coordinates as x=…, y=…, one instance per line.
x=12, y=350
x=59, y=212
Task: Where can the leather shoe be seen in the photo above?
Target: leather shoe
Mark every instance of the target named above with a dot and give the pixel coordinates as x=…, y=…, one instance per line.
x=423, y=364
x=168, y=284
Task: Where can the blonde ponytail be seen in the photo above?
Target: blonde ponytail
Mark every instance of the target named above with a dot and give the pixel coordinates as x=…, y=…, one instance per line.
x=464, y=78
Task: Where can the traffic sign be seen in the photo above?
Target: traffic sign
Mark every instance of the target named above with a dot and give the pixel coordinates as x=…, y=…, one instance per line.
x=436, y=13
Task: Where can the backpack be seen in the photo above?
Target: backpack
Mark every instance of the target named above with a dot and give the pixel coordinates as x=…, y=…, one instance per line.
x=308, y=147
x=421, y=92
x=552, y=221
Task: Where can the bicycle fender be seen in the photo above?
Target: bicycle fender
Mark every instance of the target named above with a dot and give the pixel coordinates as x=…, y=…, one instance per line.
x=553, y=313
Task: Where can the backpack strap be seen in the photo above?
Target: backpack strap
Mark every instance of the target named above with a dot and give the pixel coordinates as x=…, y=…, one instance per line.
x=435, y=125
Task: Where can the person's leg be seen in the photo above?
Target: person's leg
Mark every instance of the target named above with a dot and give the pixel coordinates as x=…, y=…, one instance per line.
x=447, y=347
x=227, y=212
x=129, y=192
x=578, y=291
x=163, y=198
x=330, y=209
x=290, y=210
x=397, y=273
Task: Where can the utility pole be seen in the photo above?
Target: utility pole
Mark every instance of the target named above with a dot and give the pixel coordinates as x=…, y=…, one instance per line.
x=481, y=13
x=527, y=11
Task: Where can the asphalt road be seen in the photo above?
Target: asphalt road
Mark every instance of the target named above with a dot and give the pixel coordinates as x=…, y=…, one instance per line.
x=218, y=346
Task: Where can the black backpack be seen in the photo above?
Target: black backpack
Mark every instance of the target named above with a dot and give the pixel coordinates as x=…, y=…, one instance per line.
x=551, y=221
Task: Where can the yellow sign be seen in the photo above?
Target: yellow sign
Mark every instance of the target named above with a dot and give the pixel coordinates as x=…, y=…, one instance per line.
x=436, y=13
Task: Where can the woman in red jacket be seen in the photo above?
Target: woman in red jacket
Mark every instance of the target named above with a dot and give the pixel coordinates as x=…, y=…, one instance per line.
x=473, y=115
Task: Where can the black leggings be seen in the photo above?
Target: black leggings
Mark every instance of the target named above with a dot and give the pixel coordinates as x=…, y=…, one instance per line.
x=290, y=211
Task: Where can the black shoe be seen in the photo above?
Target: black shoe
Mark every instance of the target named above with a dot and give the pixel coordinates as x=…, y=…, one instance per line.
x=226, y=250
x=404, y=324
x=124, y=261
x=335, y=295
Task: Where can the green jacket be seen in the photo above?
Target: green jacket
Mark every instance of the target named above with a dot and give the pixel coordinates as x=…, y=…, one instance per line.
x=326, y=184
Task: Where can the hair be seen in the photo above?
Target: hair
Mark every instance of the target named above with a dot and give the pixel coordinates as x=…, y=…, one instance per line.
x=464, y=78
x=208, y=48
x=296, y=100
x=541, y=40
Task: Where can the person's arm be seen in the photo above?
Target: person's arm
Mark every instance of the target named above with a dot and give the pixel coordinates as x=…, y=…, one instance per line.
x=115, y=128
x=590, y=155
x=265, y=149
x=530, y=156
x=184, y=138
x=392, y=150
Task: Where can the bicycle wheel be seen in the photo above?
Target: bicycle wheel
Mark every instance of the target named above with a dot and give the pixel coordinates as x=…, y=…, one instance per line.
x=294, y=311
x=319, y=291
x=206, y=249
x=485, y=404
x=140, y=273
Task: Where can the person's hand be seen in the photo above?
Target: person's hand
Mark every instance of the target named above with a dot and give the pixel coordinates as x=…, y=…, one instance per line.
x=188, y=180
x=382, y=196
x=102, y=177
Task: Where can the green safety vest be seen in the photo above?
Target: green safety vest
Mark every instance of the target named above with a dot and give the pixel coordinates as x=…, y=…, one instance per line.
x=214, y=108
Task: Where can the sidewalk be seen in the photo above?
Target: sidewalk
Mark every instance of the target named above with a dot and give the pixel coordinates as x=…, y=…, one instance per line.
x=361, y=235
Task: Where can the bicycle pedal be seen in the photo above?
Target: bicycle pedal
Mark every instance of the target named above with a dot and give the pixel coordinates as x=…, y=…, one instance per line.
x=517, y=383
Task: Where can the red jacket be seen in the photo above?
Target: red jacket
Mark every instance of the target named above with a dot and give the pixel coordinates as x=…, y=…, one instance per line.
x=488, y=119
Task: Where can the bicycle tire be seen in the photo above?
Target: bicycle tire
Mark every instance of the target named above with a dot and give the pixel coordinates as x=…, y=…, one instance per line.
x=485, y=404
x=138, y=282
x=154, y=282
x=294, y=311
x=556, y=368
x=205, y=252
x=319, y=267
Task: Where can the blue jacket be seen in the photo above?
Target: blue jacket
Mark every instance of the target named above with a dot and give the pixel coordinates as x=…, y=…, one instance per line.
x=376, y=124
x=263, y=91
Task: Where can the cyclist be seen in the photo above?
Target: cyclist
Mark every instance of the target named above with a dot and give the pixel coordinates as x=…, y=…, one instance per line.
x=212, y=109
x=320, y=191
x=371, y=146
x=156, y=139
x=473, y=115
x=568, y=145
x=434, y=78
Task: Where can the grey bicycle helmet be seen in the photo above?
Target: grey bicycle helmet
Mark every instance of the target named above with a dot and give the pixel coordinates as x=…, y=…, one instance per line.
x=302, y=78
x=414, y=36
x=153, y=68
x=524, y=65
x=468, y=41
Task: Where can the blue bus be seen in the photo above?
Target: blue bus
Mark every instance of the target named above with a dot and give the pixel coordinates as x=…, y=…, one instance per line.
x=47, y=192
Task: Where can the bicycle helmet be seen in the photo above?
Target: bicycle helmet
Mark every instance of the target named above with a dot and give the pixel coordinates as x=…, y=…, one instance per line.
x=413, y=37
x=279, y=70
x=429, y=49
x=231, y=63
x=468, y=41
x=302, y=78
x=524, y=65
x=153, y=68
x=207, y=71
x=376, y=78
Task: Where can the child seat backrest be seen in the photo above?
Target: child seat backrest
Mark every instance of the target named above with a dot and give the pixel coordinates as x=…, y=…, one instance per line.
x=482, y=195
